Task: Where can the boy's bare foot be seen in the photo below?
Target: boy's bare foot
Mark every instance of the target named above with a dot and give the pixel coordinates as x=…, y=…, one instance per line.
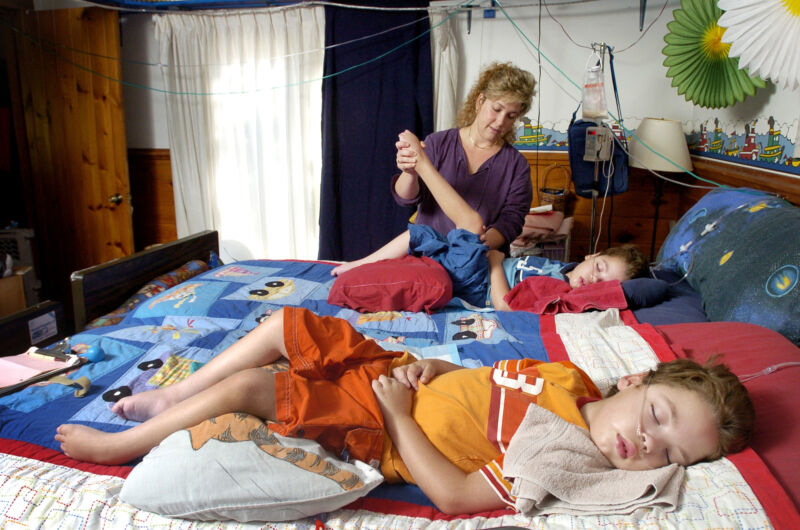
x=90, y=445
x=344, y=267
x=142, y=407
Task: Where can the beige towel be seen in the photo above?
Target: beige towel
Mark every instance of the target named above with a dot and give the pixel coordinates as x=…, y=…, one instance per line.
x=556, y=468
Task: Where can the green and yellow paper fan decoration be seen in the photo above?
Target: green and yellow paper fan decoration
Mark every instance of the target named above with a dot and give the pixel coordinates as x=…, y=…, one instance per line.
x=698, y=61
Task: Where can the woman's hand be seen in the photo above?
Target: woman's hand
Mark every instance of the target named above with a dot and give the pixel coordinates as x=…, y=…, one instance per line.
x=393, y=397
x=410, y=151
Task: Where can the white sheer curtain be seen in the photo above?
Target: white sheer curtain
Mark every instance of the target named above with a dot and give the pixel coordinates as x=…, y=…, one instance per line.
x=444, y=53
x=243, y=115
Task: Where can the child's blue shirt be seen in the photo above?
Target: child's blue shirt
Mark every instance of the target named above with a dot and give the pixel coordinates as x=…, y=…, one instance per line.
x=463, y=256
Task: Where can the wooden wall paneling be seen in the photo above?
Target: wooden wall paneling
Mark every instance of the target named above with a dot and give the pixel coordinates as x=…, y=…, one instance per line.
x=739, y=175
x=153, y=197
x=632, y=212
x=75, y=139
x=49, y=210
x=18, y=120
x=111, y=163
x=70, y=120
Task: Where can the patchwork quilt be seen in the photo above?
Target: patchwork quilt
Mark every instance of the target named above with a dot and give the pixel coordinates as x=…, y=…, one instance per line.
x=170, y=335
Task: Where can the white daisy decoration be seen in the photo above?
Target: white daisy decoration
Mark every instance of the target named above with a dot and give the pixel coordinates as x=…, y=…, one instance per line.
x=764, y=35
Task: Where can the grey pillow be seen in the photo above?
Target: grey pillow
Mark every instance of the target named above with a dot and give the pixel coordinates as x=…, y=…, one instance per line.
x=234, y=468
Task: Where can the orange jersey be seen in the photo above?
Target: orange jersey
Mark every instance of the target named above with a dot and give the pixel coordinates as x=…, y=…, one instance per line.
x=470, y=415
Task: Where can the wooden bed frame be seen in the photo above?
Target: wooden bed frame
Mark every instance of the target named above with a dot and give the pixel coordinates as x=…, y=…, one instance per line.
x=102, y=288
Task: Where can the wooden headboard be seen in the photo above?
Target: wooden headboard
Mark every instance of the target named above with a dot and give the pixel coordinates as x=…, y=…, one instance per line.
x=742, y=176
x=102, y=288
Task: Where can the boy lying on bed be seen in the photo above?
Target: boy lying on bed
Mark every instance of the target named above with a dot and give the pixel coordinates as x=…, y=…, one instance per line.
x=448, y=427
x=465, y=257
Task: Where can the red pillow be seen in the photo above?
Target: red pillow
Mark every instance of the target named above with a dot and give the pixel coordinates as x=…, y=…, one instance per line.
x=748, y=349
x=409, y=283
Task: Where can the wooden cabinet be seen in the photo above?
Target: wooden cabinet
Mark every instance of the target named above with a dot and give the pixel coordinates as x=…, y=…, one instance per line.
x=625, y=218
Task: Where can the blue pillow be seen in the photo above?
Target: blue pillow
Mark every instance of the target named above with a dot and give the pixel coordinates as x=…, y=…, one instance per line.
x=644, y=292
x=740, y=249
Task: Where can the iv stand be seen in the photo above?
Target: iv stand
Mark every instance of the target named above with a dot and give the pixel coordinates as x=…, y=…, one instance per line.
x=596, y=178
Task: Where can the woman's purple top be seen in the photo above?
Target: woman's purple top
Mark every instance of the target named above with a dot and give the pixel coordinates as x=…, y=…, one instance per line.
x=500, y=190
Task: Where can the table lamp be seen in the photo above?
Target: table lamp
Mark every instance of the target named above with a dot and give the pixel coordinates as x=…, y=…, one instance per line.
x=659, y=145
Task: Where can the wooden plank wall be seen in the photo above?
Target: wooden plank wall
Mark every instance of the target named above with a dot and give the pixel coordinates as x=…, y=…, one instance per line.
x=73, y=142
x=631, y=213
x=153, y=199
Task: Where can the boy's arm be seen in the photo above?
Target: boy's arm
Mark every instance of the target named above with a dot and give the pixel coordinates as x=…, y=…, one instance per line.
x=449, y=200
x=450, y=489
x=497, y=281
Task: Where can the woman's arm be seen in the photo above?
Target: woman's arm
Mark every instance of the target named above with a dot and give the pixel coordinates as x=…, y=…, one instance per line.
x=493, y=239
x=451, y=490
x=407, y=184
x=498, y=284
x=516, y=197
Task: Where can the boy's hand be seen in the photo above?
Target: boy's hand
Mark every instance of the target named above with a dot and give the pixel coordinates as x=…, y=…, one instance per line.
x=393, y=397
x=495, y=257
x=410, y=375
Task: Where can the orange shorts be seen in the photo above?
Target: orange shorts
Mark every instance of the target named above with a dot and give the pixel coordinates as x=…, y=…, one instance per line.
x=327, y=393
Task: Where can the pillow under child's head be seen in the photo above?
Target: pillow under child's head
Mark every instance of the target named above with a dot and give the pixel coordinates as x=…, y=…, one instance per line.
x=644, y=292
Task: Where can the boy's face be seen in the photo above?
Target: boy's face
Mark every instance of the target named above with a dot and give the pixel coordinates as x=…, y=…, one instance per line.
x=598, y=268
x=645, y=427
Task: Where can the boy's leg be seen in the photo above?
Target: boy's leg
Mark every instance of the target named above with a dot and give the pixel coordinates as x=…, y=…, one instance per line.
x=396, y=248
x=262, y=345
x=449, y=200
x=251, y=391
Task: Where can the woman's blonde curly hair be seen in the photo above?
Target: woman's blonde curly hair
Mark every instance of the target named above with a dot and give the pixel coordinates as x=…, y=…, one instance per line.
x=499, y=81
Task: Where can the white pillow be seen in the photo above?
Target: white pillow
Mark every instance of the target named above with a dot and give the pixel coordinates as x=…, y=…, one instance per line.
x=233, y=467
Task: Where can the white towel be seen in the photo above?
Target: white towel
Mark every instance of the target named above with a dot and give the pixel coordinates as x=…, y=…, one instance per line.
x=556, y=468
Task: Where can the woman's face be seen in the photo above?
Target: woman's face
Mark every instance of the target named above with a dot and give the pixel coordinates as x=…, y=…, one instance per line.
x=495, y=117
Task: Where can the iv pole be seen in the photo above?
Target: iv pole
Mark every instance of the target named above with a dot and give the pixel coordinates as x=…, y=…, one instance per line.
x=596, y=178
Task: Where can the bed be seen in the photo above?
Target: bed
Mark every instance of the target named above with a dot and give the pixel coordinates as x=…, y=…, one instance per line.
x=193, y=307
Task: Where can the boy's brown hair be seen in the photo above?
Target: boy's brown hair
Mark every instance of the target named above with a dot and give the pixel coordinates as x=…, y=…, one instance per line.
x=637, y=263
x=728, y=397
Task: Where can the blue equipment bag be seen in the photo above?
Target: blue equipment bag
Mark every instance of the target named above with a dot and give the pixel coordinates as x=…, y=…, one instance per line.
x=582, y=170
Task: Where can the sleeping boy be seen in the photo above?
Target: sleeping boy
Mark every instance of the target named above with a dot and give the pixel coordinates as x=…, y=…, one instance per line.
x=479, y=277
x=429, y=422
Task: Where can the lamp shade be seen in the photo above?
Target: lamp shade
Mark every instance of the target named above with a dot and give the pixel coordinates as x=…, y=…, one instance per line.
x=660, y=145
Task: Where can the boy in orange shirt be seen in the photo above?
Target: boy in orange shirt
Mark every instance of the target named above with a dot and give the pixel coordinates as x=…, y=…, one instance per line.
x=447, y=426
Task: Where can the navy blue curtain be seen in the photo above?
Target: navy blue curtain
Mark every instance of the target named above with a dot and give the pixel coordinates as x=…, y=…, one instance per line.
x=364, y=109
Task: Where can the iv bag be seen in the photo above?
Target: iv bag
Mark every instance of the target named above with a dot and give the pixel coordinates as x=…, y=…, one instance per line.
x=594, y=93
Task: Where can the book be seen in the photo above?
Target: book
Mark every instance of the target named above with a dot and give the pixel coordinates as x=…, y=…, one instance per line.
x=32, y=366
